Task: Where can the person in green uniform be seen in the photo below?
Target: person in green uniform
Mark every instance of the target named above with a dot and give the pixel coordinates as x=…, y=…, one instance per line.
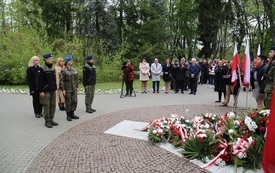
x=89, y=81
x=47, y=90
x=69, y=85
x=270, y=77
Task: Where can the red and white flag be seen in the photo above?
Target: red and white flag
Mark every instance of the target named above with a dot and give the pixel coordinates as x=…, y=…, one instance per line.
x=268, y=160
x=246, y=66
x=235, y=64
x=258, y=53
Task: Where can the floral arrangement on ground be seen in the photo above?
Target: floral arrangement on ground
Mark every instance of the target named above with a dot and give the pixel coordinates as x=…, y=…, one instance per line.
x=232, y=138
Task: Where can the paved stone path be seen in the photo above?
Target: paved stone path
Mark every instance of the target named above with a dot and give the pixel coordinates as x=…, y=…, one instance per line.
x=26, y=145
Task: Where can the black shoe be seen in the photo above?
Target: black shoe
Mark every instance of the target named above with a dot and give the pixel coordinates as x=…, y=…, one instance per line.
x=37, y=115
x=89, y=111
x=218, y=101
x=191, y=93
x=69, y=118
x=62, y=108
x=93, y=110
x=194, y=93
x=48, y=124
x=182, y=92
x=53, y=123
x=73, y=116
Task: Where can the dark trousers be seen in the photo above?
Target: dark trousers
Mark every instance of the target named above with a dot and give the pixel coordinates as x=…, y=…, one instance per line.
x=49, y=105
x=193, y=85
x=179, y=86
x=129, y=87
x=220, y=95
x=154, y=86
x=37, y=107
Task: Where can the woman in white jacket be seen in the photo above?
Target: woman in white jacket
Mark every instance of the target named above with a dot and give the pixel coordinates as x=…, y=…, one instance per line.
x=156, y=70
x=144, y=74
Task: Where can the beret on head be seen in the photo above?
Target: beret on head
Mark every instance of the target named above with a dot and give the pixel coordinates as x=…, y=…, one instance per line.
x=89, y=57
x=272, y=48
x=67, y=58
x=47, y=55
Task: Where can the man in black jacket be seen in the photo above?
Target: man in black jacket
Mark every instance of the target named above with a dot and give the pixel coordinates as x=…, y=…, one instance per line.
x=89, y=81
x=47, y=90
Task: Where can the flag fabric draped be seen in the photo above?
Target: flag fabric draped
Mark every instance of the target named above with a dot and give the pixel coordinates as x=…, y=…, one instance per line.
x=268, y=161
x=258, y=53
x=235, y=64
x=246, y=67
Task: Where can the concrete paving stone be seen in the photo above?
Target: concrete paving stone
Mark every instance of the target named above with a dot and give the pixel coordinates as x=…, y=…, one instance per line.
x=82, y=143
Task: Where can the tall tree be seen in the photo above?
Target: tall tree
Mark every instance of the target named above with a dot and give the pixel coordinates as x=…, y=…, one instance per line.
x=209, y=21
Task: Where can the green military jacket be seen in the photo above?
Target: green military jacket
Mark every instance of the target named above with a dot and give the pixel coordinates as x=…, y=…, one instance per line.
x=270, y=77
x=68, y=79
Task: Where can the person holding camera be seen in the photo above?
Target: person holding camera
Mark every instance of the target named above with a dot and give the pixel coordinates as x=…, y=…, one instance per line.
x=128, y=76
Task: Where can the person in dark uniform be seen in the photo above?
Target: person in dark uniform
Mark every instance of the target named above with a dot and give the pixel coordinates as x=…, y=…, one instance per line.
x=89, y=81
x=69, y=85
x=32, y=72
x=47, y=90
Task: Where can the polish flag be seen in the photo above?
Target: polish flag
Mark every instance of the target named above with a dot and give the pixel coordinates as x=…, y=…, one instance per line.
x=268, y=160
x=258, y=53
x=235, y=64
x=246, y=66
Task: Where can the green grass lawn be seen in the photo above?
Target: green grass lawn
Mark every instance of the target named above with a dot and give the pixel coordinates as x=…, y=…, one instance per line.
x=102, y=86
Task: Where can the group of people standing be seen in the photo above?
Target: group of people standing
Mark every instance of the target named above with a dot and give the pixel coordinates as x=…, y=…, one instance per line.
x=49, y=84
x=262, y=80
x=176, y=75
x=183, y=74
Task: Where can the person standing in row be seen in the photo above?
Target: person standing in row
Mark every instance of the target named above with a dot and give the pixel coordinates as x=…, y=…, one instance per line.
x=59, y=94
x=144, y=74
x=89, y=82
x=270, y=77
x=180, y=74
x=220, y=79
x=32, y=73
x=194, y=70
x=156, y=70
x=69, y=85
x=128, y=76
x=258, y=83
x=47, y=90
x=167, y=74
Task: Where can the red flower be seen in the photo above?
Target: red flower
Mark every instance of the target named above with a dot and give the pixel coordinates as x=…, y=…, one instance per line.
x=262, y=128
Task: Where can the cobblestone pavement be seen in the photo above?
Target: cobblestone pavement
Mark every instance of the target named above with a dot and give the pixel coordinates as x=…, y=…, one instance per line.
x=26, y=145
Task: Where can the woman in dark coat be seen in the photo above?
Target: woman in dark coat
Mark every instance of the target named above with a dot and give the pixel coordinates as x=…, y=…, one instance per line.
x=220, y=83
x=258, y=83
x=32, y=72
x=180, y=74
x=167, y=74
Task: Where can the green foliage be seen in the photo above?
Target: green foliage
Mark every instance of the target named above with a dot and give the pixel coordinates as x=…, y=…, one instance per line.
x=109, y=70
x=17, y=48
x=198, y=148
